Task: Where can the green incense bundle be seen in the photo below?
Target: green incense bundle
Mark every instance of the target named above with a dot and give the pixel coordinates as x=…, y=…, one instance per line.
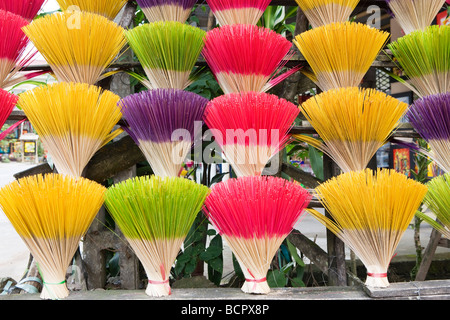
x=155, y=215
x=424, y=56
x=168, y=51
x=437, y=201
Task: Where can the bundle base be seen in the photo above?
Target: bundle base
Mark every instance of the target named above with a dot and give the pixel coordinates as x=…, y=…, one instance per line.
x=377, y=281
x=255, y=287
x=54, y=291
x=158, y=289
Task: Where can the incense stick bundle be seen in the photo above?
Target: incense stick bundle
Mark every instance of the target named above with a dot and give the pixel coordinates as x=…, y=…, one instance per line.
x=437, y=201
x=229, y=12
x=74, y=120
x=51, y=214
x=370, y=211
x=78, y=46
x=155, y=215
x=340, y=54
x=247, y=58
x=163, y=10
x=424, y=56
x=27, y=9
x=353, y=123
x=7, y=103
x=413, y=15
x=107, y=8
x=254, y=215
x=323, y=12
x=163, y=124
x=168, y=51
x=250, y=128
x=13, y=45
x=430, y=116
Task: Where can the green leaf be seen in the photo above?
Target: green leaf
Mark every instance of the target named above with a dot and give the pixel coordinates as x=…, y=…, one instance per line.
x=276, y=279
x=298, y=283
x=293, y=251
x=190, y=266
x=316, y=162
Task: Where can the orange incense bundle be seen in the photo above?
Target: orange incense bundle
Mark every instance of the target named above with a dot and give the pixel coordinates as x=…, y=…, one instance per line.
x=78, y=46
x=323, y=12
x=74, y=120
x=254, y=215
x=370, y=212
x=340, y=54
x=51, y=214
x=353, y=123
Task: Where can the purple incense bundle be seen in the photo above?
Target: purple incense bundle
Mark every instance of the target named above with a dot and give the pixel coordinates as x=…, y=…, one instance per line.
x=167, y=10
x=430, y=116
x=163, y=122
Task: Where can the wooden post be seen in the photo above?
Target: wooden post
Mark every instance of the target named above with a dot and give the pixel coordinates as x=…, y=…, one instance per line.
x=337, y=270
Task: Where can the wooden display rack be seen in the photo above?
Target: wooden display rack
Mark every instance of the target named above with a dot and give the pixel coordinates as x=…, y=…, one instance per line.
x=118, y=159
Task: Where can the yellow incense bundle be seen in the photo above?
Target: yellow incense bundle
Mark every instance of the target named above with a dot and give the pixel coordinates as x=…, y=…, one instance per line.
x=78, y=46
x=107, y=8
x=353, y=124
x=51, y=214
x=340, y=54
x=74, y=120
x=370, y=212
x=323, y=12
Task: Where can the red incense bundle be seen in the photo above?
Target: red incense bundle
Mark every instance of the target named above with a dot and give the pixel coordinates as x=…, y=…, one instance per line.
x=247, y=58
x=254, y=215
x=250, y=128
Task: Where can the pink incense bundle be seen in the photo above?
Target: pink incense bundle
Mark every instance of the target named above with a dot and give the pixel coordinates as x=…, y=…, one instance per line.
x=27, y=9
x=254, y=215
x=13, y=44
x=247, y=58
x=238, y=11
x=250, y=128
x=7, y=104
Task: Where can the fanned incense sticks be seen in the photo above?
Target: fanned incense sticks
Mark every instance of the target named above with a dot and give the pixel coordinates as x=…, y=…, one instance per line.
x=13, y=45
x=247, y=58
x=323, y=12
x=424, y=56
x=353, y=124
x=229, y=12
x=27, y=9
x=74, y=120
x=413, y=15
x=7, y=103
x=167, y=10
x=437, y=201
x=254, y=215
x=250, y=128
x=163, y=124
x=155, y=215
x=168, y=51
x=107, y=8
x=78, y=46
x=430, y=116
x=340, y=54
x=51, y=214
x=370, y=212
